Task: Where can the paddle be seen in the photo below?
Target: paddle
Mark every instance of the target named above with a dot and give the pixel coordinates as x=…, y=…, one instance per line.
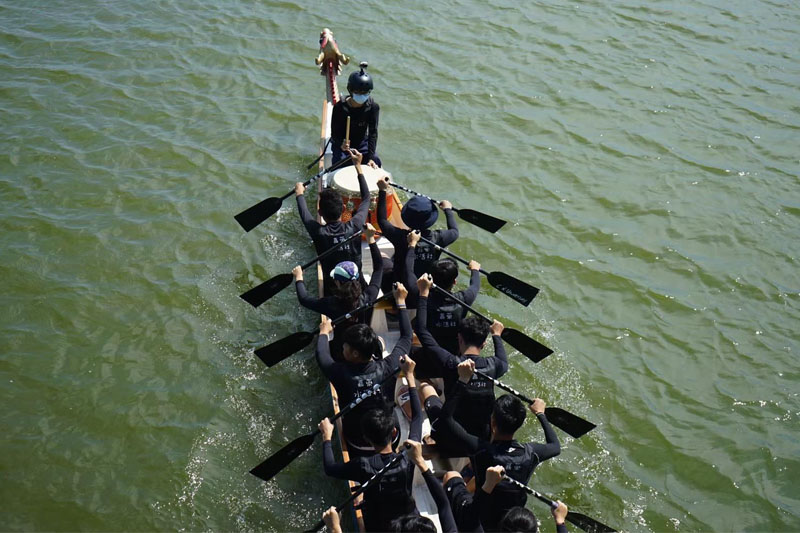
x=482, y=220
x=581, y=520
x=510, y=286
x=530, y=348
x=274, y=353
x=281, y=459
x=573, y=425
x=266, y=290
x=255, y=215
x=364, y=486
x=321, y=155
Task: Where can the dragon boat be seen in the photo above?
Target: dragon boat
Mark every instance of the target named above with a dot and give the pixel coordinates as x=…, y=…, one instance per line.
x=384, y=321
x=330, y=60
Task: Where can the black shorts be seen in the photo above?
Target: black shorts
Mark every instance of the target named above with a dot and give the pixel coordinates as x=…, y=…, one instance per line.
x=465, y=511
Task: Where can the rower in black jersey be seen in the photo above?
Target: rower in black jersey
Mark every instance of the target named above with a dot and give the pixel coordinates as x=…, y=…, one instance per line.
x=476, y=410
x=334, y=231
x=419, y=213
x=516, y=519
x=519, y=518
x=363, y=367
x=518, y=460
x=390, y=496
x=346, y=292
x=444, y=313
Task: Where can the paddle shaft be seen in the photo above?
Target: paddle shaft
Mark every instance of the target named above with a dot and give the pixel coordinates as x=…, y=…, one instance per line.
x=319, y=174
x=533, y=492
x=482, y=220
x=530, y=348
x=267, y=469
x=505, y=387
x=258, y=213
x=266, y=290
x=582, y=521
x=363, y=396
x=462, y=302
x=365, y=486
x=358, y=310
x=574, y=425
x=402, y=188
x=516, y=289
x=321, y=155
x=451, y=254
x=329, y=251
x=300, y=340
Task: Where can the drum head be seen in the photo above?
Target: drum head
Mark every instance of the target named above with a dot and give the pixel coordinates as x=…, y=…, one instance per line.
x=345, y=180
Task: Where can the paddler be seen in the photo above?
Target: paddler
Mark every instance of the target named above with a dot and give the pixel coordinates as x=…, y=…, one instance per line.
x=363, y=366
x=444, y=313
x=419, y=213
x=334, y=231
x=390, y=496
x=518, y=461
x=346, y=291
x=476, y=410
x=359, y=112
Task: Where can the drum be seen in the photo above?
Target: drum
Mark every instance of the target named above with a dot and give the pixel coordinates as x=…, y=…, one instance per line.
x=345, y=180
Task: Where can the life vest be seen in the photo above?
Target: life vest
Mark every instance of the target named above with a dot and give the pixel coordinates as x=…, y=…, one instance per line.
x=476, y=405
x=390, y=497
x=348, y=252
x=444, y=322
x=519, y=462
x=424, y=256
x=351, y=421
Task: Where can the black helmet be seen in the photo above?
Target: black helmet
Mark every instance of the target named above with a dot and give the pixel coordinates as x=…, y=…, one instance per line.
x=360, y=82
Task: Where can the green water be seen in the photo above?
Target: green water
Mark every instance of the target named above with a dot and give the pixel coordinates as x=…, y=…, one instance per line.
x=645, y=154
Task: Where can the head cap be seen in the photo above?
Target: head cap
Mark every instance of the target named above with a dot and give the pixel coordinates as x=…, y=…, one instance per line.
x=345, y=271
x=360, y=82
x=419, y=213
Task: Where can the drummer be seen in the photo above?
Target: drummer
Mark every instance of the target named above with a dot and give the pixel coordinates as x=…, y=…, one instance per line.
x=419, y=213
x=334, y=231
x=363, y=112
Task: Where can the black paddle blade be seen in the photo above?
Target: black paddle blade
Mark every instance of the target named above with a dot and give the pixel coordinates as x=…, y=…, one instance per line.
x=253, y=216
x=571, y=424
x=530, y=348
x=260, y=294
x=482, y=220
x=274, y=353
x=281, y=459
x=588, y=524
x=512, y=287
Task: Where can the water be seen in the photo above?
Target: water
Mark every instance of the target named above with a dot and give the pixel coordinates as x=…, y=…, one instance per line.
x=644, y=153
